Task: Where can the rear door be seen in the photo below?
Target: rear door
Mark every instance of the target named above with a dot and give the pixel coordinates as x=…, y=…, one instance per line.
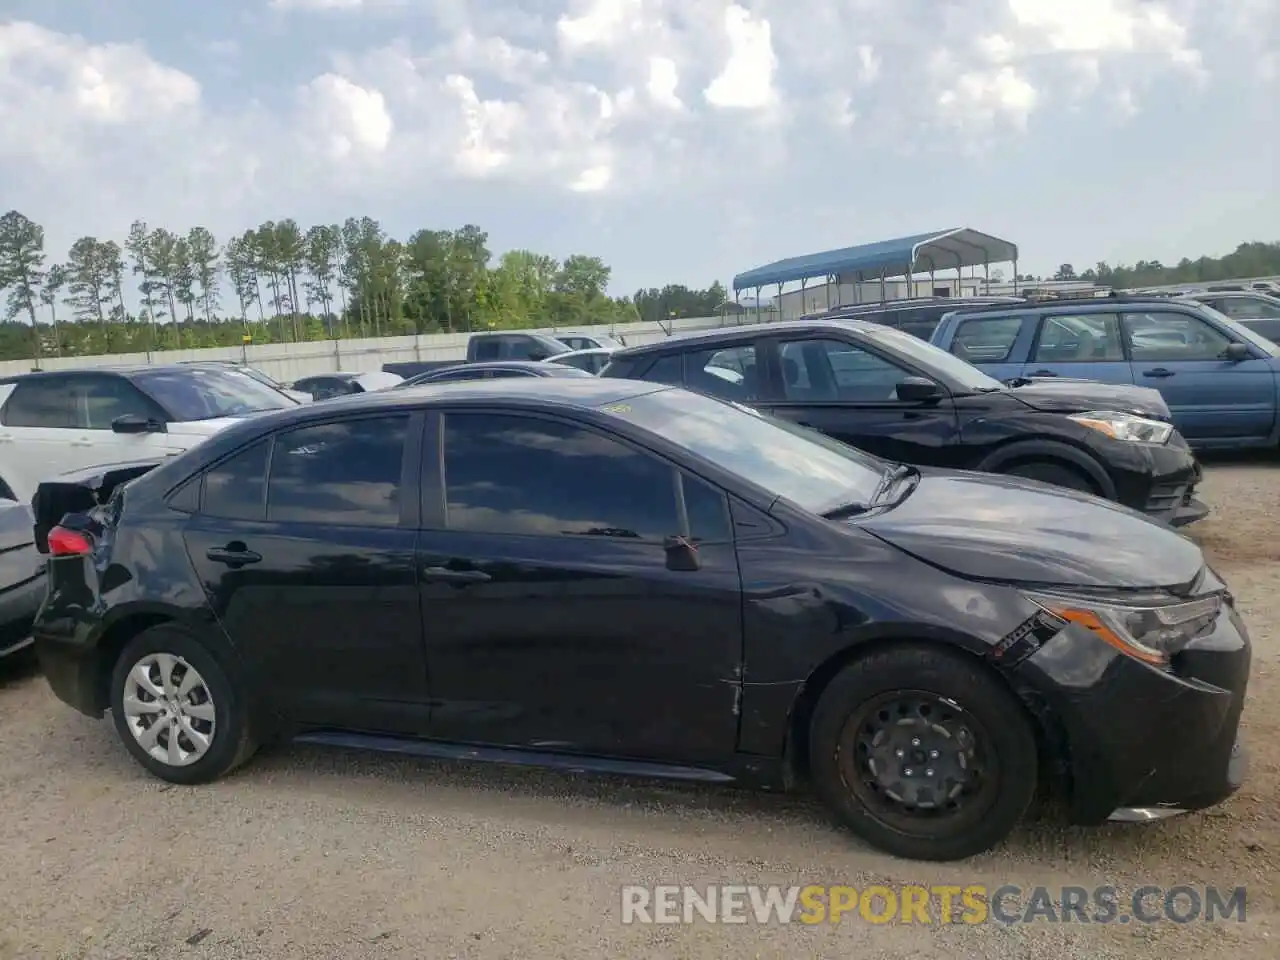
x=555, y=620
x=1213, y=400
x=849, y=392
x=37, y=430
x=305, y=545
x=1084, y=346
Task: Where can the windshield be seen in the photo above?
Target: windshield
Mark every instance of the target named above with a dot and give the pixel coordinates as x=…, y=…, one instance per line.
x=203, y=393
x=929, y=357
x=1257, y=339
x=811, y=470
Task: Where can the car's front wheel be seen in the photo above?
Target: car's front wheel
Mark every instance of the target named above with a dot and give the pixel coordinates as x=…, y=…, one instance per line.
x=923, y=753
x=176, y=710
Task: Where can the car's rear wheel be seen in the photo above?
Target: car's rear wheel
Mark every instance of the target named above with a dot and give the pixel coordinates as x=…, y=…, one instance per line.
x=1058, y=474
x=176, y=710
x=924, y=754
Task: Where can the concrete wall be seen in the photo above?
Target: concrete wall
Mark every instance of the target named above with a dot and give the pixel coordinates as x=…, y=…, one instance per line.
x=289, y=361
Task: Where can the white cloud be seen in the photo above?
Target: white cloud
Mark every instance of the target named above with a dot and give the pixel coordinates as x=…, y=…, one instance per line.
x=746, y=81
x=351, y=117
x=664, y=78
x=985, y=98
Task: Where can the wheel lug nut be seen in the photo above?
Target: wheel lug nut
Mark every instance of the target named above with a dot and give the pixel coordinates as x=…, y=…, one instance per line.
x=929, y=772
x=907, y=772
x=933, y=754
x=915, y=741
x=899, y=753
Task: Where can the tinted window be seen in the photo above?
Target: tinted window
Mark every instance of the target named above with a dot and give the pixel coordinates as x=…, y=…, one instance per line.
x=729, y=373
x=512, y=373
x=40, y=403
x=986, y=339
x=205, y=393
x=346, y=472
x=668, y=369
x=487, y=349
x=833, y=370
x=1086, y=338
x=1247, y=308
x=707, y=508
x=233, y=489
x=1169, y=337
x=808, y=468
x=521, y=475
x=933, y=361
x=100, y=400
x=1267, y=328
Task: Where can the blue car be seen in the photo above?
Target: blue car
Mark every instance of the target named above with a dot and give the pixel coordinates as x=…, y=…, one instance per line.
x=1220, y=379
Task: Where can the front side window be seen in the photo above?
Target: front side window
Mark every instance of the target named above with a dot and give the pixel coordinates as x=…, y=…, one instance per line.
x=668, y=369
x=40, y=402
x=523, y=475
x=1088, y=338
x=1169, y=337
x=101, y=400
x=832, y=370
x=346, y=472
x=1247, y=308
x=205, y=393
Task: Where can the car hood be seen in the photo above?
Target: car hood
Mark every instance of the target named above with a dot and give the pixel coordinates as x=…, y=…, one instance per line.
x=989, y=527
x=1080, y=396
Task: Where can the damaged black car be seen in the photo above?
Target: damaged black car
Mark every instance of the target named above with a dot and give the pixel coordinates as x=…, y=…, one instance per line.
x=610, y=576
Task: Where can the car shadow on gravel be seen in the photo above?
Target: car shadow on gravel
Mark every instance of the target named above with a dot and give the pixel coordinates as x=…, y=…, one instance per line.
x=18, y=668
x=386, y=785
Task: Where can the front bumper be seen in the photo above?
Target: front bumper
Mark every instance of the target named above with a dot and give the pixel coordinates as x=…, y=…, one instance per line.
x=1168, y=493
x=1136, y=741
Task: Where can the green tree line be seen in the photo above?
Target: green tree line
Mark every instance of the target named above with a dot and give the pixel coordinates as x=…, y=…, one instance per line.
x=279, y=282
x=1247, y=260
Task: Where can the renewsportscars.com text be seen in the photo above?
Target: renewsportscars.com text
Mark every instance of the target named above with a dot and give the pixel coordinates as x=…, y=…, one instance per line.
x=932, y=905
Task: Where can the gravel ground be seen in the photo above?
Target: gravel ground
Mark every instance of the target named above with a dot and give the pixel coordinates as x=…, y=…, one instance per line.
x=325, y=854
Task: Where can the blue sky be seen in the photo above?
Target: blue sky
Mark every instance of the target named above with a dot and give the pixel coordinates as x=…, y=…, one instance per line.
x=681, y=140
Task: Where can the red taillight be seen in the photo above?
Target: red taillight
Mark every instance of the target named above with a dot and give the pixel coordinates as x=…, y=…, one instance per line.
x=68, y=543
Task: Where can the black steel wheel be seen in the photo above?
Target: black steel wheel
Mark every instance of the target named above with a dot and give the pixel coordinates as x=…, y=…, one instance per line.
x=923, y=752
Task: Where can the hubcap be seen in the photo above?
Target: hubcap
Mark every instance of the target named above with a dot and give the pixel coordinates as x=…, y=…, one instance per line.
x=915, y=755
x=168, y=709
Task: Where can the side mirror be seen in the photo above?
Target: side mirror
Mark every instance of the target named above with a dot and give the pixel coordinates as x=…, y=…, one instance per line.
x=918, y=389
x=132, y=423
x=1236, y=352
x=682, y=554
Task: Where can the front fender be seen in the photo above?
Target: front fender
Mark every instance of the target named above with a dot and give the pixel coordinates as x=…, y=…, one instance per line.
x=1049, y=450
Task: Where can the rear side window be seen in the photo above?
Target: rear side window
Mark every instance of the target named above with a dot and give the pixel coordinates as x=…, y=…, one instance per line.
x=347, y=472
x=668, y=369
x=986, y=339
x=40, y=403
x=488, y=349
x=233, y=490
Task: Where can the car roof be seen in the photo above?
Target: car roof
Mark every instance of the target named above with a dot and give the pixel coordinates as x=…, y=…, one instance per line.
x=1101, y=304
x=710, y=338
x=123, y=370
x=534, y=365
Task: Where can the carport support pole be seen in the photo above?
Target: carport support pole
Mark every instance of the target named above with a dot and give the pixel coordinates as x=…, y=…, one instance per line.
x=1015, y=276
x=780, y=300
x=883, y=294
x=804, y=284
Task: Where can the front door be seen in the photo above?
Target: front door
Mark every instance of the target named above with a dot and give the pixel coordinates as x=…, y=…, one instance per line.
x=311, y=572
x=554, y=619
x=1212, y=399
x=850, y=393
x=1086, y=346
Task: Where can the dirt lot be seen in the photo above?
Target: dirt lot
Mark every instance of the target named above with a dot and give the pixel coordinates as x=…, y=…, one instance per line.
x=319, y=854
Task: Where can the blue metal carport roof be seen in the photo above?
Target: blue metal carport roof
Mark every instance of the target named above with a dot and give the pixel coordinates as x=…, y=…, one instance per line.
x=924, y=252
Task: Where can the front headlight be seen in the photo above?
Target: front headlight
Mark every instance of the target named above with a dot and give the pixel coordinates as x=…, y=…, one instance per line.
x=1148, y=631
x=1125, y=426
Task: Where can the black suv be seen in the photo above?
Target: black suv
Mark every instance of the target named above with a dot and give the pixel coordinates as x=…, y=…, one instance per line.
x=893, y=395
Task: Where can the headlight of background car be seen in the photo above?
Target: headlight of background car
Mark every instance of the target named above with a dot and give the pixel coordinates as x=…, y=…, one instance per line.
x=1125, y=426
x=1150, y=632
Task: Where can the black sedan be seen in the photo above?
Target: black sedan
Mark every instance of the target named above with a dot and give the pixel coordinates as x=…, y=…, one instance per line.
x=896, y=396
x=495, y=370
x=620, y=577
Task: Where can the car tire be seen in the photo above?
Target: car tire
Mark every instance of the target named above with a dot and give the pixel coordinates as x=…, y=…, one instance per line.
x=960, y=726
x=1057, y=474
x=204, y=709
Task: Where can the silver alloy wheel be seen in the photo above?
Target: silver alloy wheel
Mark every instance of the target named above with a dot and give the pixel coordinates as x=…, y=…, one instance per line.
x=169, y=709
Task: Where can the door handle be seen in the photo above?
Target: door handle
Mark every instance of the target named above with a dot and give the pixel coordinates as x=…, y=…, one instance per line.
x=233, y=555
x=1044, y=373
x=447, y=575
x=1158, y=372
x=82, y=443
